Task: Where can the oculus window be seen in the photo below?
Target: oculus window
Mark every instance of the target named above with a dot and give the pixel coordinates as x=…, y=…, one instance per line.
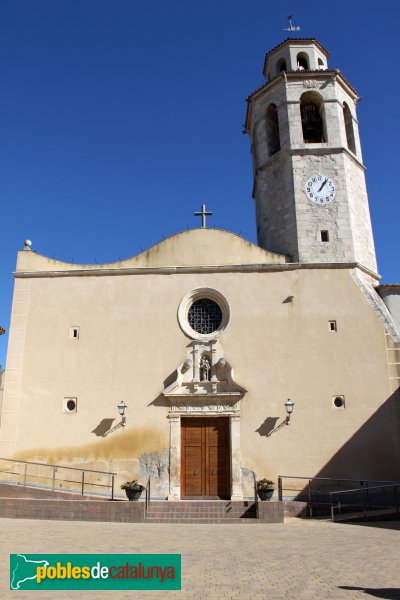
x=203, y=314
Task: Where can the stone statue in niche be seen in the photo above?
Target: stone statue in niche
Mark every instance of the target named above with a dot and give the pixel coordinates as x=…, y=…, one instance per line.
x=205, y=369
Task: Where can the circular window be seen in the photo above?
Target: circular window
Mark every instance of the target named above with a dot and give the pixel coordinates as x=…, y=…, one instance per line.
x=205, y=316
x=338, y=402
x=70, y=405
x=203, y=313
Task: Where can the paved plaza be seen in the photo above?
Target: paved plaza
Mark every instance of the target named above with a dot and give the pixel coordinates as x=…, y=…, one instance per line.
x=297, y=559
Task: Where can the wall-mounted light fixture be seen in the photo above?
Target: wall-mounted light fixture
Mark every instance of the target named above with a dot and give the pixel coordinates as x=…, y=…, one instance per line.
x=289, y=405
x=121, y=409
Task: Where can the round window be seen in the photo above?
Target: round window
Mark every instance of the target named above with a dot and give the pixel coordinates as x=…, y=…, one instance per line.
x=203, y=313
x=205, y=316
x=70, y=405
x=338, y=402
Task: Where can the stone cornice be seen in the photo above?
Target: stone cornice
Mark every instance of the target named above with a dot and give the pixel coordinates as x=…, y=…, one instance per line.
x=309, y=149
x=250, y=268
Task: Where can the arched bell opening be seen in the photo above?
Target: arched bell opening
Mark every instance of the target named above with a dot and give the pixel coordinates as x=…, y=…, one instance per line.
x=281, y=66
x=273, y=135
x=313, y=118
x=302, y=61
x=348, y=123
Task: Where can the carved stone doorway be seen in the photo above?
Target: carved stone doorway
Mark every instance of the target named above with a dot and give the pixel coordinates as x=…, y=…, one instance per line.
x=201, y=394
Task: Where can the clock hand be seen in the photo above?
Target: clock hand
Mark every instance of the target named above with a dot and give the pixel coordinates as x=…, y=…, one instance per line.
x=322, y=185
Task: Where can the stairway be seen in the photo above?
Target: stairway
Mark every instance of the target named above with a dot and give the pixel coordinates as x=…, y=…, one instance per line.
x=201, y=511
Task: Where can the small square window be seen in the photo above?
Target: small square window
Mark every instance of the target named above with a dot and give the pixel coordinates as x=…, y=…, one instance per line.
x=332, y=326
x=70, y=405
x=338, y=402
x=74, y=333
x=324, y=235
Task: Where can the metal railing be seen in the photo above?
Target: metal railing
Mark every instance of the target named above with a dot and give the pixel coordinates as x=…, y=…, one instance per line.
x=375, y=500
x=316, y=491
x=147, y=498
x=48, y=476
x=255, y=494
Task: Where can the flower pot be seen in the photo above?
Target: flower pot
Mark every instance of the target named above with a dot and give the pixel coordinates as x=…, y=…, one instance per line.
x=133, y=494
x=265, y=494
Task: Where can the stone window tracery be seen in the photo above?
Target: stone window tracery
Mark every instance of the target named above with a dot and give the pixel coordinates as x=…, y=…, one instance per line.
x=204, y=316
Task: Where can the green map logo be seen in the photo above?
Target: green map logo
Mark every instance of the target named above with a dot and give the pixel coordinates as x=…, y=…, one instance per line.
x=95, y=571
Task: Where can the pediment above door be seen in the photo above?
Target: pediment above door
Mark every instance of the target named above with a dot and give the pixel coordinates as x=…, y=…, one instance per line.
x=204, y=381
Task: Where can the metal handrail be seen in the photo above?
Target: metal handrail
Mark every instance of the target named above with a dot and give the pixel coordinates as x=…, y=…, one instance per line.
x=312, y=491
x=80, y=482
x=360, y=479
x=366, y=499
x=255, y=494
x=148, y=497
x=375, y=487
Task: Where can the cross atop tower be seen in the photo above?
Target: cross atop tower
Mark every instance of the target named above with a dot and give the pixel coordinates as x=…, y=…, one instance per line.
x=203, y=214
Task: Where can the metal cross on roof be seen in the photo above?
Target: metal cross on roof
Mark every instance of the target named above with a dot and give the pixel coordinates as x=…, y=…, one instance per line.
x=292, y=27
x=203, y=214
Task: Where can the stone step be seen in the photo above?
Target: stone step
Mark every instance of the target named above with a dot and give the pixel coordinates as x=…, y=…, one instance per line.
x=235, y=509
x=227, y=503
x=201, y=511
x=201, y=515
x=166, y=515
x=202, y=504
x=200, y=520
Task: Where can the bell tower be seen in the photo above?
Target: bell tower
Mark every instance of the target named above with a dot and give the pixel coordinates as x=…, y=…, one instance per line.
x=309, y=178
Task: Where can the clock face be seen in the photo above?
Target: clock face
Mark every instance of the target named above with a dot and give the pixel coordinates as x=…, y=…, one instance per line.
x=320, y=189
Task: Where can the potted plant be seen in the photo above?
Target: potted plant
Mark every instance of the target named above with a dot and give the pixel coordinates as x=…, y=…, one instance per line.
x=265, y=489
x=133, y=489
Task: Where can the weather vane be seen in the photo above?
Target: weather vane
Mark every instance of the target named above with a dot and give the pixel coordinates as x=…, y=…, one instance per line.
x=292, y=27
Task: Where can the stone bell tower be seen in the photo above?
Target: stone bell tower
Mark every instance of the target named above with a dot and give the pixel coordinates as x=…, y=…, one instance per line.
x=309, y=178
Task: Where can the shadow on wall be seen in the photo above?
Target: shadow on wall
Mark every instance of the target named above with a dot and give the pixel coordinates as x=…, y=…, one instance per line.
x=372, y=452
x=103, y=427
x=267, y=427
x=161, y=400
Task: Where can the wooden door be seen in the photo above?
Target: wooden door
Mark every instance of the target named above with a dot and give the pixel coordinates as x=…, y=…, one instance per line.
x=205, y=469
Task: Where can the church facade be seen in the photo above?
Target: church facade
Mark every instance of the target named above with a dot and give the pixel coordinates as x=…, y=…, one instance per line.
x=206, y=336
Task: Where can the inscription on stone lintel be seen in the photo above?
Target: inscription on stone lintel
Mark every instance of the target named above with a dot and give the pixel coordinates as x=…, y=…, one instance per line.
x=199, y=407
x=310, y=83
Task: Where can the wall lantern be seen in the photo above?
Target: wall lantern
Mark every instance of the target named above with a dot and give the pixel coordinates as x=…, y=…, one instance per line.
x=289, y=405
x=121, y=409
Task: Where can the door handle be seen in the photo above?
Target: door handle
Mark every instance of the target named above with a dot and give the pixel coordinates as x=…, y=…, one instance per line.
x=213, y=472
x=195, y=473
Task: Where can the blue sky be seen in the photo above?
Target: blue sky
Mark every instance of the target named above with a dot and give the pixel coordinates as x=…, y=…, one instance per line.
x=119, y=118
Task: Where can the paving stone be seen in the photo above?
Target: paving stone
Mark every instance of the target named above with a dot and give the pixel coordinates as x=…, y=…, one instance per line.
x=300, y=559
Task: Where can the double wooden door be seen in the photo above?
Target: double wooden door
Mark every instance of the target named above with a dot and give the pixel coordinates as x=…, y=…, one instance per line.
x=205, y=469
